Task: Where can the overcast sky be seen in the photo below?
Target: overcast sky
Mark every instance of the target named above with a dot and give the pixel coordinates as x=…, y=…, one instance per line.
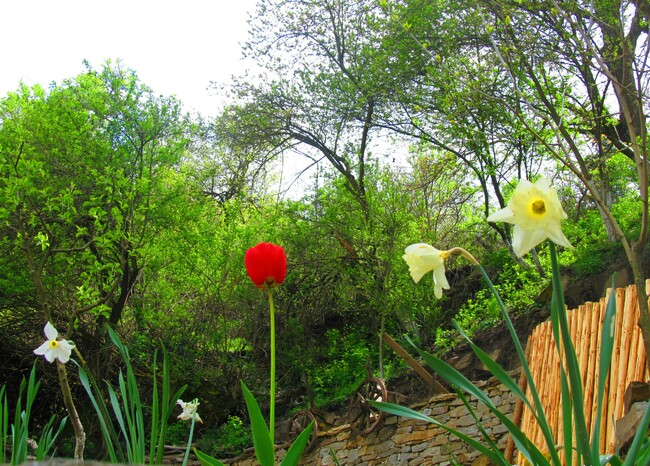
x=176, y=47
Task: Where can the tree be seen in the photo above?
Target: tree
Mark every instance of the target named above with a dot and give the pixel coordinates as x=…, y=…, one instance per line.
x=82, y=179
x=324, y=87
x=579, y=70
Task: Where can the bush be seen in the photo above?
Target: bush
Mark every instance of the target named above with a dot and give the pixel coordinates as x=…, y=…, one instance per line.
x=228, y=440
x=336, y=379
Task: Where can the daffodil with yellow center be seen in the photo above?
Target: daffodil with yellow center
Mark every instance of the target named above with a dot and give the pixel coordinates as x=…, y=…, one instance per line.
x=53, y=348
x=535, y=211
x=422, y=259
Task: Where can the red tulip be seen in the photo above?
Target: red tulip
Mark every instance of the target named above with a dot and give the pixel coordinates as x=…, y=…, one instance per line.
x=266, y=265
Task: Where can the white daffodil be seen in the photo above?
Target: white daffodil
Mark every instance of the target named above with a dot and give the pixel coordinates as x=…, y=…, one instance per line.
x=536, y=213
x=423, y=258
x=54, y=349
x=189, y=410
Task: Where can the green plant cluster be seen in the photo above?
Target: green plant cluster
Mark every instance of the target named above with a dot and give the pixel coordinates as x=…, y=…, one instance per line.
x=228, y=440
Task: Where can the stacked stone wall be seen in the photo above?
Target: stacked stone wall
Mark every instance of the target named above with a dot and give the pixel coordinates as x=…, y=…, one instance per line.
x=400, y=441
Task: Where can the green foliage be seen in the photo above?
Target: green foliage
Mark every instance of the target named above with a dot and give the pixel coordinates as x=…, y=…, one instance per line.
x=518, y=288
x=17, y=433
x=177, y=433
x=593, y=259
x=116, y=208
x=228, y=440
x=344, y=367
x=129, y=411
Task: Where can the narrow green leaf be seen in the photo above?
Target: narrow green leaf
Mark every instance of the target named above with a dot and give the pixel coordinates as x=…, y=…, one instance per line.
x=336, y=460
x=398, y=410
x=261, y=437
x=451, y=375
x=120, y=420
x=614, y=460
x=558, y=308
x=108, y=431
x=494, y=368
x=538, y=412
x=295, y=451
x=207, y=460
x=156, y=428
x=567, y=419
x=606, y=351
x=4, y=424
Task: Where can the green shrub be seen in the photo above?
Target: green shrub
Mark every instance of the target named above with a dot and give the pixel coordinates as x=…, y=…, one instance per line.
x=177, y=433
x=228, y=440
x=518, y=288
x=336, y=379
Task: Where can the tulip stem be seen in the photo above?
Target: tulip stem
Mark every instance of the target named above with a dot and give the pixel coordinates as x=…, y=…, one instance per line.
x=272, y=389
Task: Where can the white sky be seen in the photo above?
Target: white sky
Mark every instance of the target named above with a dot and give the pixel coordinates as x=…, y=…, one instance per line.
x=176, y=47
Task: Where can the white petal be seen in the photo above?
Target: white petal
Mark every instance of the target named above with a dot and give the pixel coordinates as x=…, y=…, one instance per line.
x=525, y=240
x=41, y=350
x=49, y=355
x=62, y=356
x=440, y=278
x=421, y=259
x=63, y=351
x=503, y=215
x=50, y=332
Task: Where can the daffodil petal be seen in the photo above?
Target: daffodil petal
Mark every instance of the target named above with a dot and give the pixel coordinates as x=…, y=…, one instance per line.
x=557, y=236
x=525, y=240
x=50, y=332
x=63, y=356
x=421, y=259
x=440, y=281
x=503, y=215
x=536, y=212
x=41, y=350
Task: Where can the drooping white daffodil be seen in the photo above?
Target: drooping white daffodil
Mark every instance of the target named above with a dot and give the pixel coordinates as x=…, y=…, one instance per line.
x=422, y=259
x=54, y=349
x=535, y=211
x=189, y=410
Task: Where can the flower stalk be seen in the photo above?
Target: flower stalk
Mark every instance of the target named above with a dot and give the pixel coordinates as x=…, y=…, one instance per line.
x=189, y=441
x=272, y=387
x=79, y=434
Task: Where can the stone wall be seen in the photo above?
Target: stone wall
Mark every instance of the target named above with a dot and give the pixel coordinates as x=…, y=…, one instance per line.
x=400, y=441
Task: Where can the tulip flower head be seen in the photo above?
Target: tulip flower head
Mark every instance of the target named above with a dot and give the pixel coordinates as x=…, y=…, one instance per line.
x=189, y=411
x=53, y=348
x=266, y=265
x=422, y=259
x=536, y=213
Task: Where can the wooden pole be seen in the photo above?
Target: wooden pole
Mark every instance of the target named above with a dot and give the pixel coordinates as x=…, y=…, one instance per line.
x=419, y=370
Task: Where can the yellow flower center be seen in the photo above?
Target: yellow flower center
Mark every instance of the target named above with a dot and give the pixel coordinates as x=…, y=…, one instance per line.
x=538, y=207
x=54, y=344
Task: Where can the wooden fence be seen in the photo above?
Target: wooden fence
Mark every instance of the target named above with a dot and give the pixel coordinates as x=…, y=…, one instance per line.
x=628, y=364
